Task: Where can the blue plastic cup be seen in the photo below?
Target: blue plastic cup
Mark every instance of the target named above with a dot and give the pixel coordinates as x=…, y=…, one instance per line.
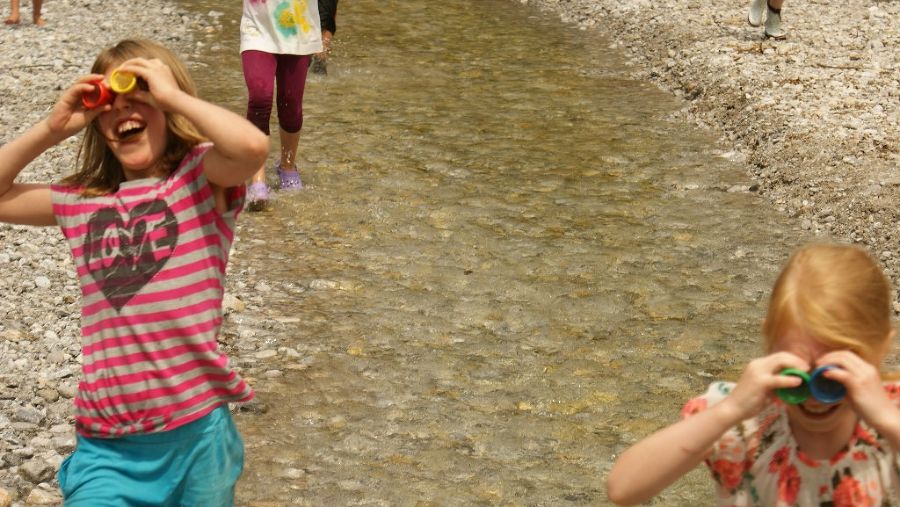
x=824, y=389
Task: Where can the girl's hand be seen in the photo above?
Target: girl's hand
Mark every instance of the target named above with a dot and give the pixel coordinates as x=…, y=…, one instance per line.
x=69, y=115
x=864, y=388
x=162, y=88
x=758, y=383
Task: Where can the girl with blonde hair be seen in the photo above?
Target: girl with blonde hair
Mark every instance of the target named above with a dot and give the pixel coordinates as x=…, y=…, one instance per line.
x=149, y=218
x=776, y=437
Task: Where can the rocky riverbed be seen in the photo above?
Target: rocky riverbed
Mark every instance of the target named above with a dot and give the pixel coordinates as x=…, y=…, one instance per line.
x=815, y=116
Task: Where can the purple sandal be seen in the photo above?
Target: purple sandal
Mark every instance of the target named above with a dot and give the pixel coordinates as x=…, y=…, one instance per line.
x=257, y=196
x=290, y=180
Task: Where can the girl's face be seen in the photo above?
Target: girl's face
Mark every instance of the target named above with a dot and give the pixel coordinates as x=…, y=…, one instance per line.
x=812, y=415
x=136, y=133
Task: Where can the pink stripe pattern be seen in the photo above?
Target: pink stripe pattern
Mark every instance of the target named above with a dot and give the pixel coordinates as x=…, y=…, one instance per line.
x=151, y=261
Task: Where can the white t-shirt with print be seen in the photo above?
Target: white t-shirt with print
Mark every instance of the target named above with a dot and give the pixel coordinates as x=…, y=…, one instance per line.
x=284, y=27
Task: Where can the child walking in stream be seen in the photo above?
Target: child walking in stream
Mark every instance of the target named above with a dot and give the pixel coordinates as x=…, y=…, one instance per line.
x=149, y=217
x=278, y=40
x=777, y=439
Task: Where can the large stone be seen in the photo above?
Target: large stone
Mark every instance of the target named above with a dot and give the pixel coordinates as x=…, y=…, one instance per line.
x=36, y=471
x=40, y=496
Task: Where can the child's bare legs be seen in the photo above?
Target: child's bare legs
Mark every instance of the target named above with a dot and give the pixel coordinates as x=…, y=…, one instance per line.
x=13, y=18
x=289, y=143
x=287, y=166
x=288, y=161
x=260, y=175
x=36, y=12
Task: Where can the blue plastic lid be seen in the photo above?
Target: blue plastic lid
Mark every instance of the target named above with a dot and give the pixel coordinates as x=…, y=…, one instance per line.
x=825, y=389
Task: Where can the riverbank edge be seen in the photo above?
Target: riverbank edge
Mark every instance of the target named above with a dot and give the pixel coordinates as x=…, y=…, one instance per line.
x=823, y=156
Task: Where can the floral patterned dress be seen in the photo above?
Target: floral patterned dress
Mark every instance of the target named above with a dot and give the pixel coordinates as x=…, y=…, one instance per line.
x=758, y=462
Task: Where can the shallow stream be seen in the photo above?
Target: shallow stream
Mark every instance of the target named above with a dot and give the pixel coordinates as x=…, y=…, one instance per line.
x=509, y=263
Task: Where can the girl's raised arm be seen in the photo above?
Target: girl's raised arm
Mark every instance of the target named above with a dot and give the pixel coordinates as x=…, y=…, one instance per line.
x=654, y=463
x=651, y=465
x=239, y=147
x=30, y=204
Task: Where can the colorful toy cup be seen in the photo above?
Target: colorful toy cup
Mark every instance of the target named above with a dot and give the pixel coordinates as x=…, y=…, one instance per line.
x=794, y=395
x=102, y=94
x=99, y=96
x=824, y=389
x=121, y=81
x=814, y=384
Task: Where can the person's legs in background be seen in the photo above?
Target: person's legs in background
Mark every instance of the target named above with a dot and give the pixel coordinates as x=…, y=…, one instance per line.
x=772, y=10
x=773, y=20
x=36, y=12
x=328, y=15
x=259, y=75
x=291, y=75
x=14, y=15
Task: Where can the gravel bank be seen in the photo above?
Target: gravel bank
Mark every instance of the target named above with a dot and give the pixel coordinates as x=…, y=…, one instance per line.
x=815, y=116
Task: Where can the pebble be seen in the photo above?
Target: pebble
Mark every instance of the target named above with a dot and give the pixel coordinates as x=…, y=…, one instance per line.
x=39, y=496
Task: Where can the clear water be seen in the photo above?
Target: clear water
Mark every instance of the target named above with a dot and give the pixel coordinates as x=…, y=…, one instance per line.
x=509, y=263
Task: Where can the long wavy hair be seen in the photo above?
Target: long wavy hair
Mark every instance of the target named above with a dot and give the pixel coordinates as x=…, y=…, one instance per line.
x=838, y=295
x=100, y=171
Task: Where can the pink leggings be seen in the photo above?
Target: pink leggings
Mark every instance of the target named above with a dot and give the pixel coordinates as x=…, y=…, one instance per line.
x=261, y=70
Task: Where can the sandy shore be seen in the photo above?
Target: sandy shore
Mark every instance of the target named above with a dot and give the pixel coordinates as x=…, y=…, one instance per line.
x=815, y=116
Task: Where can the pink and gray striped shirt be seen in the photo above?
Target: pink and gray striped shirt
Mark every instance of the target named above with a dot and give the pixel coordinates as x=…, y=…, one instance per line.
x=151, y=261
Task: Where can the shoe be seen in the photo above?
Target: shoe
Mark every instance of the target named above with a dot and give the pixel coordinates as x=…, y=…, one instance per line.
x=257, y=196
x=773, y=26
x=757, y=9
x=290, y=180
x=318, y=66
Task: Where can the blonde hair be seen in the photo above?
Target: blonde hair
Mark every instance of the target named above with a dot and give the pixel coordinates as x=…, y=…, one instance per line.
x=100, y=172
x=838, y=295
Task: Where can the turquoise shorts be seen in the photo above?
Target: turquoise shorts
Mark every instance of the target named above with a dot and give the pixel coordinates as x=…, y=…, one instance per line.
x=193, y=465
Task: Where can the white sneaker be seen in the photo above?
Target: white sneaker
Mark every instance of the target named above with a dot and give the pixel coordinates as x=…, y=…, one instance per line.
x=773, y=26
x=757, y=9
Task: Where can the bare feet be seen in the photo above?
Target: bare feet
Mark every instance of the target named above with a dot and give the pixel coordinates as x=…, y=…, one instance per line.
x=11, y=20
x=40, y=21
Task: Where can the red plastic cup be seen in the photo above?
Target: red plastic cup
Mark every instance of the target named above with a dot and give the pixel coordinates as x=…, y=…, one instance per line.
x=99, y=96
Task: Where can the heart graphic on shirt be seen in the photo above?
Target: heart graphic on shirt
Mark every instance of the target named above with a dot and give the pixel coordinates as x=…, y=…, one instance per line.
x=124, y=254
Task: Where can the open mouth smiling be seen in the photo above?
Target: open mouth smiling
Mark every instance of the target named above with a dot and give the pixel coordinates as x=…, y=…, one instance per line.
x=818, y=411
x=128, y=130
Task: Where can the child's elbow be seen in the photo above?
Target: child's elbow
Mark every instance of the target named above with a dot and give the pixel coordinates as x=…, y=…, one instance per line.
x=619, y=494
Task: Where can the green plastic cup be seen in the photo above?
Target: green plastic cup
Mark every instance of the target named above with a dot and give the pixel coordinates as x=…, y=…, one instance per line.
x=794, y=395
